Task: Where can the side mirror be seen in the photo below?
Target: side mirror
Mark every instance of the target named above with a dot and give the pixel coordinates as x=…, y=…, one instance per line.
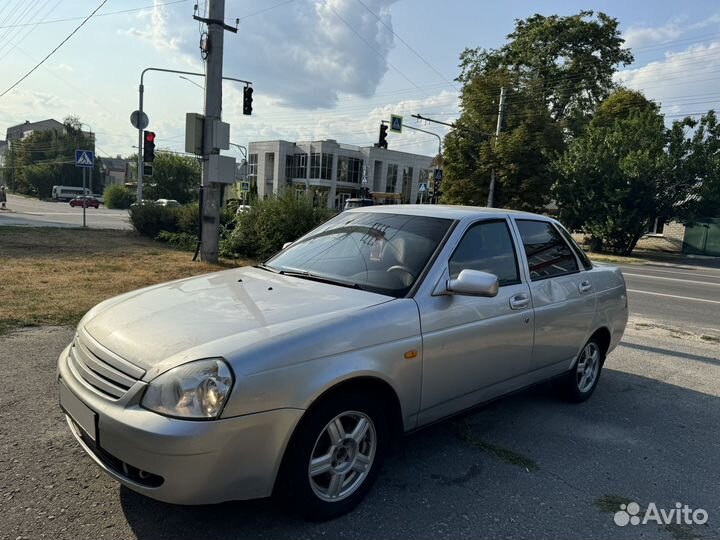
x=473, y=283
x=287, y=245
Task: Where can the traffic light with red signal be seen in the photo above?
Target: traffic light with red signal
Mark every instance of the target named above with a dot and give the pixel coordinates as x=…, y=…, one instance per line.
x=148, y=146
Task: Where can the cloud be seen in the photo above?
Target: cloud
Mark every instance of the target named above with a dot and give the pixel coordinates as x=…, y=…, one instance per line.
x=682, y=82
x=649, y=35
x=307, y=53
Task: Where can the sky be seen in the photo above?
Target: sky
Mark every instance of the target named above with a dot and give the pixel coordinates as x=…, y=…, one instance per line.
x=320, y=68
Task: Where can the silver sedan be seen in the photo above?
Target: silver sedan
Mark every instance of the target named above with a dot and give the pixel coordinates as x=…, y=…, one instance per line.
x=292, y=377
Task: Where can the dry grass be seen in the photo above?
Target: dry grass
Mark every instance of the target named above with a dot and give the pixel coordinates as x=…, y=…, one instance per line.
x=615, y=259
x=53, y=276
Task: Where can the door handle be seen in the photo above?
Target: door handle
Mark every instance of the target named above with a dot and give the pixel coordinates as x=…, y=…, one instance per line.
x=585, y=286
x=519, y=301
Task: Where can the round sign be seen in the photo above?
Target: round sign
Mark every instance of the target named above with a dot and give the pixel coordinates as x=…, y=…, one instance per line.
x=139, y=120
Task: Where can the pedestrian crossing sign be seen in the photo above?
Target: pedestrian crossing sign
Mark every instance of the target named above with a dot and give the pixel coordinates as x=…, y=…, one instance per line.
x=84, y=158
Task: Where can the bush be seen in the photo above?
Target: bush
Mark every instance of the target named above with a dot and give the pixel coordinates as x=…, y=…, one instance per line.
x=116, y=196
x=188, y=219
x=150, y=219
x=261, y=231
x=180, y=240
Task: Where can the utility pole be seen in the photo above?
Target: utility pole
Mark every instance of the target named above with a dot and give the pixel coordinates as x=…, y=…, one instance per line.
x=501, y=111
x=210, y=197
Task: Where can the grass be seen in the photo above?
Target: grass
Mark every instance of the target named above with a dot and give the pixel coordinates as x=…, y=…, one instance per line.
x=614, y=259
x=611, y=503
x=466, y=434
x=52, y=276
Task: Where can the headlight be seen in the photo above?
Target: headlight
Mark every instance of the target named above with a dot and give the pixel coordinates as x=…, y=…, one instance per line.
x=194, y=390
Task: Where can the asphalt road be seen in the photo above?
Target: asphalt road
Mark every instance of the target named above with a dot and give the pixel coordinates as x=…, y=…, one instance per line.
x=529, y=466
x=25, y=211
x=685, y=296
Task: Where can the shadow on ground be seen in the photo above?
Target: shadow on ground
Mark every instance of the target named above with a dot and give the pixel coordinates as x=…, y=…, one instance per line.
x=528, y=466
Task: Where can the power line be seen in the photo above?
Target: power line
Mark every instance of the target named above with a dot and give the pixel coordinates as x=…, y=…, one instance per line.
x=428, y=64
x=55, y=49
x=30, y=31
x=99, y=14
x=373, y=48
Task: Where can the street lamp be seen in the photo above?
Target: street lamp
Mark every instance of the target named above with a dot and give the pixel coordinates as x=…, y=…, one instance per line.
x=201, y=87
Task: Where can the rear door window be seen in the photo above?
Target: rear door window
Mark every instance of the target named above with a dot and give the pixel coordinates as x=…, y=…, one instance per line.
x=547, y=252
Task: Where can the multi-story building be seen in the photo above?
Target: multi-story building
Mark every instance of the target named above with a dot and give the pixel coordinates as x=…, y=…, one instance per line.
x=20, y=131
x=333, y=172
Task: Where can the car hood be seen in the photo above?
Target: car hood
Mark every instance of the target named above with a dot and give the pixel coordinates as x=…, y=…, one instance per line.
x=151, y=325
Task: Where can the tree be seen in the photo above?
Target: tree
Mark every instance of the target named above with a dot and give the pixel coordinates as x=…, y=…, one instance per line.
x=174, y=177
x=555, y=71
x=611, y=179
x=46, y=158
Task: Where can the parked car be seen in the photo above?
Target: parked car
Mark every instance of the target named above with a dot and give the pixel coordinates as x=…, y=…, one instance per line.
x=87, y=201
x=291, y=377
x=172, y=203
x=144, y=202
x=357, y=203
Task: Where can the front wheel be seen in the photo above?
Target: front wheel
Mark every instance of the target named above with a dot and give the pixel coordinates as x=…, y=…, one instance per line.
x=581, y=381
x=334, y=457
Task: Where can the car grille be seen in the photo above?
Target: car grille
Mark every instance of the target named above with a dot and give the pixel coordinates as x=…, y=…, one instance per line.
x=101, y=370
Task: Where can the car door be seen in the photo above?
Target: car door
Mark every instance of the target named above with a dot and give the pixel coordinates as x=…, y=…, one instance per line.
x=470, y=343
x=562, y=295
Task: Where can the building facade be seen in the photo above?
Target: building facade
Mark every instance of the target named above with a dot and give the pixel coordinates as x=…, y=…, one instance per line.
x=20, y=131
x=334, y=172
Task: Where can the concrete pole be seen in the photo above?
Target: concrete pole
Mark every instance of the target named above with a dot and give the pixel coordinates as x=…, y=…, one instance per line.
x=501, y=111
x=210, y=224
x=139, y=195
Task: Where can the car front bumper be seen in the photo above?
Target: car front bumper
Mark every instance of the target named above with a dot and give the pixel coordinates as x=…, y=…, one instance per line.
x=180, y=461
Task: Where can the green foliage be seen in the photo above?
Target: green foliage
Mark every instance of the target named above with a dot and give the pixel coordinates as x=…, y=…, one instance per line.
x=47, y=158
x=555, y=70
x=180, y=240
x=610, y=179
x=261, y=231
x=150, y=219
x=117, y=196
x=174, y=177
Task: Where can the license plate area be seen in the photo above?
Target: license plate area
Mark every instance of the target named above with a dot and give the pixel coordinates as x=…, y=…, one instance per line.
x=82, y=415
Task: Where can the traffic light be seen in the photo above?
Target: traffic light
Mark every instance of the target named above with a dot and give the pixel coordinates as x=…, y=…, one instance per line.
x=148, y=146
x=436, y=188
x=247, y=100
x=382, y=140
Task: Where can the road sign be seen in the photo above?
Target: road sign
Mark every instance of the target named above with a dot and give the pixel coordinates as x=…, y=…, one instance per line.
x=396, y=123
x=245, y=187
x=139, y=120
x=438, y=175
x=422, y=188
x=84, y=158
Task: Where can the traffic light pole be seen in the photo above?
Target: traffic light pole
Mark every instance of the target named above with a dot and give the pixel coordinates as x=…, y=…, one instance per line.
x=141, y=92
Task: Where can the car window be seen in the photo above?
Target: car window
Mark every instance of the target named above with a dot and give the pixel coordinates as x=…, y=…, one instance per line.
x=488, y=247
x=378, y=252
x=547, y=253
x=577, y=249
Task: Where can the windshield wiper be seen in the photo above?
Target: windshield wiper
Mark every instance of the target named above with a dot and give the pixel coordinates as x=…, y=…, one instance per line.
x=315, y=277
x=263, y=266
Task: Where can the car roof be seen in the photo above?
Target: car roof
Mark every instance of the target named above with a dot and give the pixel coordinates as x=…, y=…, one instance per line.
x=446, y=211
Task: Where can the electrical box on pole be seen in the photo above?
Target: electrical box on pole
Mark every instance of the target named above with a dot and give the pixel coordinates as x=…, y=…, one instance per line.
x=194, y=133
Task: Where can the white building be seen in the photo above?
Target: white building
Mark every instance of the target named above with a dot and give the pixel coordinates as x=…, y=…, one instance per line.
x=334, y=172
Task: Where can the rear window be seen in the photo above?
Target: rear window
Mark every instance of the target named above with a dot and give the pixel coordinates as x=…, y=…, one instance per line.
x=547, y=252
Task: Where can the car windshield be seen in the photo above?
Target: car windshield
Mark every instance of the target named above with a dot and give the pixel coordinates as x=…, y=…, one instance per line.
x=383, y=253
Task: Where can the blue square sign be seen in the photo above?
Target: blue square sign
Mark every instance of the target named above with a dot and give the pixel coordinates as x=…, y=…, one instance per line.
x=84, y=158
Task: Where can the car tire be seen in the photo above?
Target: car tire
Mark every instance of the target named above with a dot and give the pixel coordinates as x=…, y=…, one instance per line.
x=580, y=382
x=322, y=479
